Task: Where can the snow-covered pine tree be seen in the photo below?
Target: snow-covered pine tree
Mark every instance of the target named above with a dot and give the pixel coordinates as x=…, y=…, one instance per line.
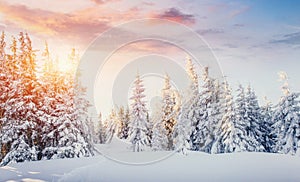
x=254, y=120
x=20, y=132
x=247, y=122
x=101, y=131
x=240, y=137
x=169, y=112
x=266, y=127
x=188, y=116
x=191, y=71
x=225, y=141
x=10, y=89
x=3, y=79
x=286, y=120
x=52, y=88
x=4, y=82
x=215, y=114
x=203, y=104
x=68, y=133
x=123, y=116
x=181, y=134
x=138, y=127
x=112, y=126
x=159, y=139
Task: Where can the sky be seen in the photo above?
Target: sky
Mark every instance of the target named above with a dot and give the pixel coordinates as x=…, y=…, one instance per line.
x=251, y=39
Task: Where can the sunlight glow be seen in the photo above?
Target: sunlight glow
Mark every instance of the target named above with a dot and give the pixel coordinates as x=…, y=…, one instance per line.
x=65, y=66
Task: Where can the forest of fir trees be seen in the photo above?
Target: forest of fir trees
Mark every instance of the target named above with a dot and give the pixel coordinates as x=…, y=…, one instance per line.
x=206, y=118
x=44, y=113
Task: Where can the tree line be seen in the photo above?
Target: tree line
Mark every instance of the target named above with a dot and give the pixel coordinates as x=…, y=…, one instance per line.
x=207, y=118
x=44, y=113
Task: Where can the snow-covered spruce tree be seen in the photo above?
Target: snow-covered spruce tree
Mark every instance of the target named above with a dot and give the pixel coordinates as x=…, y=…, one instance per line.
x=240, y=137
x=191, y=71
x=123, y=117
x=100, y=132
x=159, y=139
x=4, y=82
x=169, y=112
x=68, y=133
x=247, y=121
x=20, y=133
x=266, y=127
x=203, y=106
x=286, y=120
x=188, y=117
x=226, y=137
x=112, y=126
x=52, y=88
x=138, y=127
x=8, y=90
x=181, y=134
x=3, y=79
x=215, y=115
x=254, y=122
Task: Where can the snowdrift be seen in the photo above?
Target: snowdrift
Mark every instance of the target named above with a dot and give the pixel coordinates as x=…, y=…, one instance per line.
x=196, y=166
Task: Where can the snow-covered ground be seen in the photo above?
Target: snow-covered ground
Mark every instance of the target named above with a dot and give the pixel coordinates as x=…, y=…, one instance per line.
x=196, y=166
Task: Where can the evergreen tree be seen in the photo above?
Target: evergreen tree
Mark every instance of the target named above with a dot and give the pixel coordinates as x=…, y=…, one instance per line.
x=9, y=90
x=3, y=78
x=215, y=115
x=248, y=119
x=159, y=138
x=66, y=134
x=20, y=133
x=201, y=130
x=101, y=131
x=226, y=136
x=287, y=121
x=254, y=121
x=188, y=114
x=123, y=116
x=240, y=137
x=266, y=128
x=112, y=126
x=138, y=123
x=169, y=112
x=4, y=82
x=181, y=134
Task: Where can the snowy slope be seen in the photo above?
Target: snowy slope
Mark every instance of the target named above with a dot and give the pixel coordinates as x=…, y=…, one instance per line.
x=196, y=166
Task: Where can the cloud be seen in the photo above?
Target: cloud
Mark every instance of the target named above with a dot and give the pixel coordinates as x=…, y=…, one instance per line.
x=148, y=3
x=3, y=25
x=104, y=1
x=75, y=27
x=174, y=14
x=292, y=39
x=209, y=31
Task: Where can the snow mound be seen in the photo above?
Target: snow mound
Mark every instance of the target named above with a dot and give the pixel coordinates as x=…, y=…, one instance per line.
x=121, y=151
x=196, y=167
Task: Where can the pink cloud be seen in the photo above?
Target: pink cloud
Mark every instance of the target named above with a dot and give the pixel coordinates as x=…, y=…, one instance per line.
x=174, y=14
x=78, y=26
x=104, y=1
